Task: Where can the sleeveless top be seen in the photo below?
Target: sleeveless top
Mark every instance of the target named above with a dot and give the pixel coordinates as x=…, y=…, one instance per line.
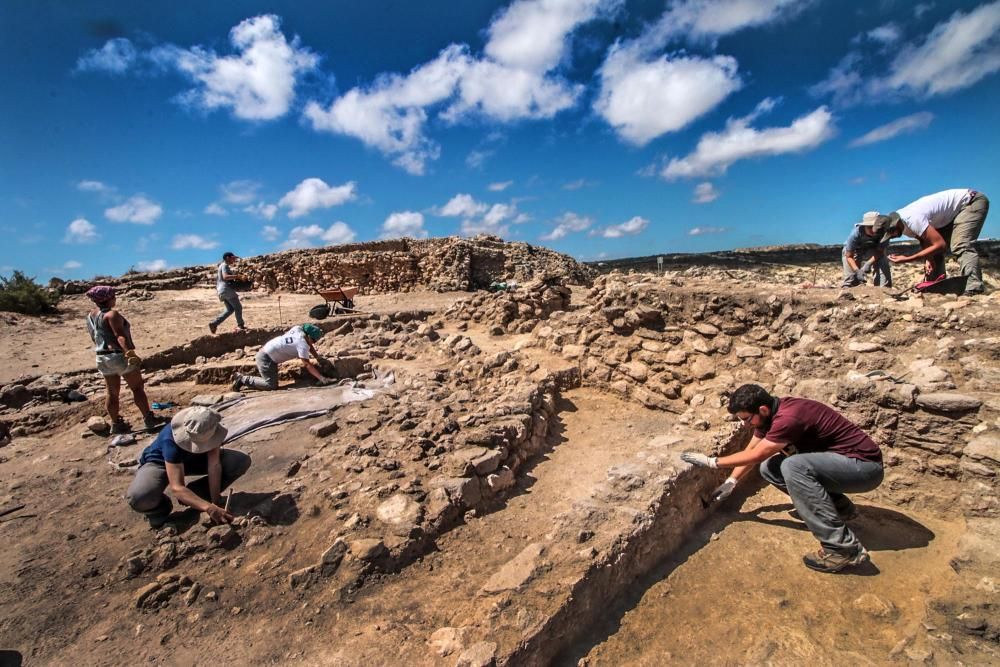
x=100, y=332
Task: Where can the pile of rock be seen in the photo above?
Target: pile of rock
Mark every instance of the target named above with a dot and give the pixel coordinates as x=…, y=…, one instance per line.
x=399, y=265
x=518, y=309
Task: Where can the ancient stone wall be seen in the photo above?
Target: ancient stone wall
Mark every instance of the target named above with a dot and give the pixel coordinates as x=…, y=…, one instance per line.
x=399, y=265
x=911, y=373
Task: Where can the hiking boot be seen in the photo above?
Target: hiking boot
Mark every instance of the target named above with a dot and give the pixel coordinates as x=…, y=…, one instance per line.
x=237, y=382
x=971, y=292
x=212, y=326
x=152, y=421
x=120, y=426
x=241, y=329
x=831, y=561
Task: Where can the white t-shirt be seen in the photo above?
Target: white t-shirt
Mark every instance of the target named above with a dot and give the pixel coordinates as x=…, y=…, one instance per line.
x=937, y=210
x=290, y=345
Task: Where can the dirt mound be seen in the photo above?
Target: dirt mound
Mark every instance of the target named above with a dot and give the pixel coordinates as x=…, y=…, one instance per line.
x=401, y=265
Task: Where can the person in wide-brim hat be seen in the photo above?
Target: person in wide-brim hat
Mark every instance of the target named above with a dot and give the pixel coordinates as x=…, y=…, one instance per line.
x=191, y=444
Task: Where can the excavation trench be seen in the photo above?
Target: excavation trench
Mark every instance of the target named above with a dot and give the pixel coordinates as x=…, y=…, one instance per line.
x=603, y=505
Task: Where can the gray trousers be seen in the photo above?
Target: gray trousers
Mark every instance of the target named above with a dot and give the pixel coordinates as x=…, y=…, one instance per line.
x=881, y=271
x=817, y=482
x=146, y=492
x=960, y=236
x=268, y=370
x=233, y=305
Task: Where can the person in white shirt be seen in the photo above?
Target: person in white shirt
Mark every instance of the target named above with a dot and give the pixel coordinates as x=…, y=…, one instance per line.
x=948, y=219
x=296, y=343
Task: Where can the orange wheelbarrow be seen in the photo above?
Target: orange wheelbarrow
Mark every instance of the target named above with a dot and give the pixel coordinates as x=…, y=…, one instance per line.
x=335, y=300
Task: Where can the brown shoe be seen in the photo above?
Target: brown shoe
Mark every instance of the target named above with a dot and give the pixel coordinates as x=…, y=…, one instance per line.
x=831, y=561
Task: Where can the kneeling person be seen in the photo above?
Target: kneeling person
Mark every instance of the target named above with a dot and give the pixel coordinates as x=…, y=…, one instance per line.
x=191, y=444
x=296, y=343
x=814, y=454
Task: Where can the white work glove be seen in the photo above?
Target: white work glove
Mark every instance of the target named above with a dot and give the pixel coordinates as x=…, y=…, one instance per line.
x=699, y=459
x=724, y=490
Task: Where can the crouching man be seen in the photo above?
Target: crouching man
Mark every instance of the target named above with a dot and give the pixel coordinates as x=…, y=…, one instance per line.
x=296, y=343
x=191, y=444
x=814, y=454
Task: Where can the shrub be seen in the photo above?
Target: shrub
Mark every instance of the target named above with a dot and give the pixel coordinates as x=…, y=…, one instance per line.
x=21, y=294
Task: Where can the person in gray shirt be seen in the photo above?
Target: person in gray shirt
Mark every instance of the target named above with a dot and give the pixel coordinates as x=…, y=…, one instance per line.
x=227, y=295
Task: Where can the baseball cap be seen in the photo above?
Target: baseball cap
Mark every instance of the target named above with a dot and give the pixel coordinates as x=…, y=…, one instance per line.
x=312, y=331
x=885, y=225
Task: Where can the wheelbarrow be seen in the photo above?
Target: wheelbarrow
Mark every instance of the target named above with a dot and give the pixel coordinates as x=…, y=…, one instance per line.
x=335, y=300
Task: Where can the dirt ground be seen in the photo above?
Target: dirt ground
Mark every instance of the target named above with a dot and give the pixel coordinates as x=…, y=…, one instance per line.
x=739, y=594
x=735, y=594
x=59, y=343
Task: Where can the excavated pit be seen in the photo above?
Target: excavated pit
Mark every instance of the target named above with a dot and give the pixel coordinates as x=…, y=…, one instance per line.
x=517, y=497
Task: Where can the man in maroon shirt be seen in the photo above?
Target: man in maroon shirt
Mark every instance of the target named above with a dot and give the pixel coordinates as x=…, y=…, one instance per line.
x=815, y=455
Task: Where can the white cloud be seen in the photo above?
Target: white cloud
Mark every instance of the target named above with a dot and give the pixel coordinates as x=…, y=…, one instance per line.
x=72, y=265
x=886, y=34
x=512, y=81
x=705, y=193
x=905, y=125
x=152, y=266
x=314, y=193
x=507, y=94
x=630, y=227
x=389, y=115
x=494, y=220
x=568, y=223
x=956, y=54
x=404, y=223
x=262, y=210
x=94, y=186
x=192, y=241
x=643, y=96
x=702, y=19
x=239, y=192
x=701, y=231
x=137, y=209
x=531, y=34
x=115, y=57
x=922, y=8
x=310, y=235
x=500, y=186
x=462, y=205
x=475, y=159
x=578, y=184
x=716, y=151
x=258, y=83
x=215, y=209
x=80, y=231
x=270, y=233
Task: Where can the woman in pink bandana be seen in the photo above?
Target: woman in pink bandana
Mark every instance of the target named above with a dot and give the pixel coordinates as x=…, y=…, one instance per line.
x=116, y=357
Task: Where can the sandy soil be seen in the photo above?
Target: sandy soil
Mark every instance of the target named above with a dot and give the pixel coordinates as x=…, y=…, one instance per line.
x=34, y=346
x=739, y=595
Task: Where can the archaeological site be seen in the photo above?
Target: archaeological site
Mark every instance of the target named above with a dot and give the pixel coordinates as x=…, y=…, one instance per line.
x=494, y=477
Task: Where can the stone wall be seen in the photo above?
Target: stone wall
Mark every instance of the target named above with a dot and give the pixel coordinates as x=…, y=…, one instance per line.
x=912, y=373
x=399, y=265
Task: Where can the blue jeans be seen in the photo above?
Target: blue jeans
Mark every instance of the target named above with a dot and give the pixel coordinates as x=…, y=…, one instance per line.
x=817, y=482
x=233, y=305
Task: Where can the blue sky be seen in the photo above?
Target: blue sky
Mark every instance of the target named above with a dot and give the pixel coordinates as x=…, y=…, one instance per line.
x=155, y=134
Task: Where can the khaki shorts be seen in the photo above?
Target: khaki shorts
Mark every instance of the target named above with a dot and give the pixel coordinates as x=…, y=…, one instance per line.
x=113, y=364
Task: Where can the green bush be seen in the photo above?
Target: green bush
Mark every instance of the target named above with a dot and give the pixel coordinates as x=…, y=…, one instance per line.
x=21, y=294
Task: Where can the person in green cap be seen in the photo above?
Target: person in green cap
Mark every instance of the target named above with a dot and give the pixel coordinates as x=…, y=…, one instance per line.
x=296, y=343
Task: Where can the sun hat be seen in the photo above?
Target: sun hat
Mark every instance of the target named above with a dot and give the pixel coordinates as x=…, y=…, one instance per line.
x=101, y=293
x=198, y=429
x=312, y=331
x=868, y=219
x=885, y=225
